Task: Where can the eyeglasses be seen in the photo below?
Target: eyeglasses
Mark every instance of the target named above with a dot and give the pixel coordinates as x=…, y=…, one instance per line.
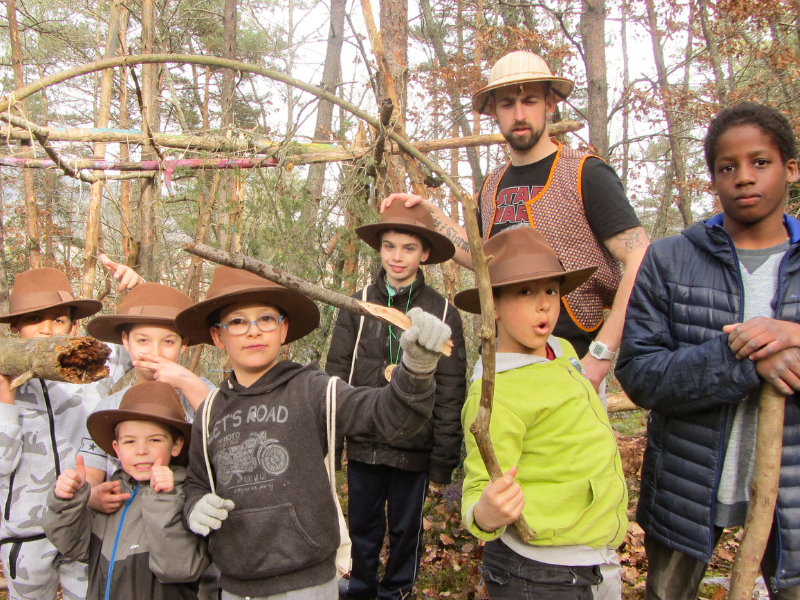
x=240, y=325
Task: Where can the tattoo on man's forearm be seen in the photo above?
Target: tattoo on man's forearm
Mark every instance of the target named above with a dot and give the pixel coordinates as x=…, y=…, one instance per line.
x=451, y=233
x=458, y=241
x=631, y=238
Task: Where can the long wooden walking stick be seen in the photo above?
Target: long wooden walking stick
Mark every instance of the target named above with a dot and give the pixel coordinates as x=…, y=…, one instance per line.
x=370, y=310
x=480, y=427
x=57, y=358
x=763, y=493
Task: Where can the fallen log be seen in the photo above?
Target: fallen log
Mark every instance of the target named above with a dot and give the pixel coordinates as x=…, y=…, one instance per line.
x=389, y=315
x=763, y=493
x=57, y=358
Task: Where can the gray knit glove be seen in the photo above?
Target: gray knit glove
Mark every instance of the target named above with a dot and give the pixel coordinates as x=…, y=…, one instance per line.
x=209, y=513
x=422, y=342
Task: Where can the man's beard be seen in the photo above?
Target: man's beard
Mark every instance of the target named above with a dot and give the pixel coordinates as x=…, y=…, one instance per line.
x=526, y=142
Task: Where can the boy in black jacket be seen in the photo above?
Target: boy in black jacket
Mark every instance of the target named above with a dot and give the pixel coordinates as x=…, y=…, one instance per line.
x=268, y=508
x=713, y=311
x=379, y=472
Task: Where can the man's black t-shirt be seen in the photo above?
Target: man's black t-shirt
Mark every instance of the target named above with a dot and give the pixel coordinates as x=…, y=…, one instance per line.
x=607, y=210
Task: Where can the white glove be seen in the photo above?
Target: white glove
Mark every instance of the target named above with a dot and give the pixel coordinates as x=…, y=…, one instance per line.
x=422, y=342
x=209, y=513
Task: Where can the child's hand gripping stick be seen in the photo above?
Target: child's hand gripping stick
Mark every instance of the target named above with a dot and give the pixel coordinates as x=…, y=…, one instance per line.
x=500, y=504
x=422, y=342
x=209, y=513
x=71, y=480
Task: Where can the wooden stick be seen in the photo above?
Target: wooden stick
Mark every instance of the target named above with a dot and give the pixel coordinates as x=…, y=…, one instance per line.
x=57, y=358
x=480, y=427
x=386, y=314
x=258, y=144
x=763, y=493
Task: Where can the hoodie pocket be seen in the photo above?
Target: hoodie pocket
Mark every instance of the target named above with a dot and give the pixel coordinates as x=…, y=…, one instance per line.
x=262, y=542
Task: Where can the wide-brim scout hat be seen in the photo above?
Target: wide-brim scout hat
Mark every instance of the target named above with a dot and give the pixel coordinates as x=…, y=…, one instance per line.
x=149, y=401
x=233, y=286
x=519, y=67
x=518, y=255
x=147, y=303
x=416, y=220
x=41, y=289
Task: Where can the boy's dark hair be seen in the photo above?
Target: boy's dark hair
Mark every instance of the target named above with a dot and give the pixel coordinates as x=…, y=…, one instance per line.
x=426, y=245
x=772, y=122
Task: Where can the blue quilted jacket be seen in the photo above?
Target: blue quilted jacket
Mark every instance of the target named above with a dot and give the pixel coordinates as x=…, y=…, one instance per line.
x=675, y=361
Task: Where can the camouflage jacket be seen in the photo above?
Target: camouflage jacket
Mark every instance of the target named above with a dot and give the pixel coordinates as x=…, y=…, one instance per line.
x=40, y=434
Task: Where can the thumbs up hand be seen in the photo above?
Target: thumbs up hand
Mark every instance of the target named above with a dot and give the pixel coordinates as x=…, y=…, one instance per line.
x=161, y=477
x=71, y=480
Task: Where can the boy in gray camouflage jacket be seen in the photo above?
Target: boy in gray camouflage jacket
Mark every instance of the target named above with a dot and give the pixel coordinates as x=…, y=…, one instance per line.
x=42, y=426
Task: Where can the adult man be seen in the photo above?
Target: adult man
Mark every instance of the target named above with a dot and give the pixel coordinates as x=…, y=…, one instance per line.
x=576, y=201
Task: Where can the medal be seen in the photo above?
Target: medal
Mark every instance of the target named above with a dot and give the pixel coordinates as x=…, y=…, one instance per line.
x=388, y=372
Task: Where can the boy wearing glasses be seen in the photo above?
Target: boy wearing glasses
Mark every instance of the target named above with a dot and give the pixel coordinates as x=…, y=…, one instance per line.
x=257, y=484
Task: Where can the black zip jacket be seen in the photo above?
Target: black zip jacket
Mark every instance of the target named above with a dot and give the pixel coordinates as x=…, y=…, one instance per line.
x=436, y=448
x=675, y=361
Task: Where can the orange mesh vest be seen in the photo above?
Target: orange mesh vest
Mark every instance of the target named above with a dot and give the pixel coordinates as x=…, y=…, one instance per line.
x=557, y=213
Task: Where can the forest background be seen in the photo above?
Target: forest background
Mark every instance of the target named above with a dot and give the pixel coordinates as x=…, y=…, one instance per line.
x=649, y=75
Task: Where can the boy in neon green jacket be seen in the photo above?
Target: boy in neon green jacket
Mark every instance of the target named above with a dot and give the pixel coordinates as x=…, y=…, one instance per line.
x=551, y=435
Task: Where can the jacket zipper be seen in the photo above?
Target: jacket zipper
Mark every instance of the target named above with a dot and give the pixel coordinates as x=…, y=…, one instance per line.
x=134, y=491
x=583, y=381
x=53, y=441
x=726, y=411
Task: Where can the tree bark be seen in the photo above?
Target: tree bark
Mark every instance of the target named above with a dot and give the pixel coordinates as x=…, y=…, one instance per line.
x=763, y=493
x=31, y=208
x=673, y=121
x=322, y=130
x=713, y=53
x=149, y=187
x=57, y=358
x=593, y=32
x=94, y=209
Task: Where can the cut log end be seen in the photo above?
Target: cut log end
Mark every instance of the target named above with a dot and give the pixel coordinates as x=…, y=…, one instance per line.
x=83, y=360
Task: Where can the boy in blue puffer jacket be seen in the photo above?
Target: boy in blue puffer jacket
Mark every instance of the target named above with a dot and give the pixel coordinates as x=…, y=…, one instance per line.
x=713, y=312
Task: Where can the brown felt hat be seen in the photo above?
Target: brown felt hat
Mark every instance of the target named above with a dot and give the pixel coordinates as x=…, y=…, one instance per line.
x=149, y=401
x=232, y=286
x=416, y=220
x=519, y=67
x=40, y=289
x=147, y=303
x=522, y=254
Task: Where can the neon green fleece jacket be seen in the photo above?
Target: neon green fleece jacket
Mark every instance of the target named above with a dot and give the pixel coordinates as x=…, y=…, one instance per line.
x=549, y=422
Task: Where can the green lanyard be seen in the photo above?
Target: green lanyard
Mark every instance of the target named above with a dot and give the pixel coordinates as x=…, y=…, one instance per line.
x=391, y=333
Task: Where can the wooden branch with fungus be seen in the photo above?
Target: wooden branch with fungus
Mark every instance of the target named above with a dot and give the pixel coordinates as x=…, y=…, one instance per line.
x=763, y=493
x=57, y=358
x=389, y=315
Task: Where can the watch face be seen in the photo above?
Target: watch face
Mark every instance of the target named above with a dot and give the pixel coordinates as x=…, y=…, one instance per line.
x=597, y=351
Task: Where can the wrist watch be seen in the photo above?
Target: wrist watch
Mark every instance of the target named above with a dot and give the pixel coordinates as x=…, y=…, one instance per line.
x=601, y=352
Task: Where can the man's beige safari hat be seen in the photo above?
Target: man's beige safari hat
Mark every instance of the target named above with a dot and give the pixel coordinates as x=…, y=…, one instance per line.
x=416, y=220
x=147, y=303
x=40, y=289
x=233, y=286
x=518, y=255
x=149, y=401
x=519, y=67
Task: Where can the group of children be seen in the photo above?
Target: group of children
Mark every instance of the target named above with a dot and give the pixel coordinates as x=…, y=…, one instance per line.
x=171, y=475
